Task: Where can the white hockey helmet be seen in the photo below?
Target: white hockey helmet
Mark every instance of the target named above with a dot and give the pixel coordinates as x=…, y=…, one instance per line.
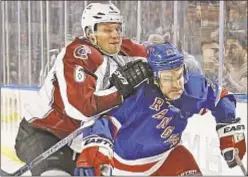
x=100, y=13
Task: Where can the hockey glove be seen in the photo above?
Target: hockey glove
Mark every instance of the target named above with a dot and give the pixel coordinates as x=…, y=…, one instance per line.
x=96, y=158
x=129, y=77
x=232, y=140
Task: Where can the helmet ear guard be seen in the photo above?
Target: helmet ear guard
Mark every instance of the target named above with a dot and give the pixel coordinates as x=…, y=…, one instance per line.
x=186, y=74
x=90, y=34
x=88, y=31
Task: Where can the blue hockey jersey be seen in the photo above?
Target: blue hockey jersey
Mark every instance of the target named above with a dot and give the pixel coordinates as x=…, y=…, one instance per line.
x=146, y=127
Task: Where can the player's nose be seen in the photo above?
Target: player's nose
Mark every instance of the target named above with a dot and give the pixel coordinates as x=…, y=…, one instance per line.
x=115, y=34
x=176, y=84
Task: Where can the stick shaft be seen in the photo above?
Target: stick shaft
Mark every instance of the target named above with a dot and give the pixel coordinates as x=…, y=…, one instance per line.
x=240, y=164
x=50, y=151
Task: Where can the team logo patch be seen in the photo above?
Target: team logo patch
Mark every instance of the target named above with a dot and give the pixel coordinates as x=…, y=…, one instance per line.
x=79, y=74
x=82, y=52
x=170, y=52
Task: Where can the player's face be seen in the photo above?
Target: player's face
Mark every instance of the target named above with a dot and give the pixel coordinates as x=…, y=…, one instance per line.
x=233, y=50
x=171, y=82
x=233, y=14
x=109, y=37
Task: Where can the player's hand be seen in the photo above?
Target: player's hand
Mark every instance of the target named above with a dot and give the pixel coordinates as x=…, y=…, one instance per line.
x=232, y=140
x=96, y=159
x=129, y=77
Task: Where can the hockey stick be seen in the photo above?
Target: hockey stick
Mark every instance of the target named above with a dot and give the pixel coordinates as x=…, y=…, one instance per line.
x=50, y=151
x=4, y=173
x=239, y=162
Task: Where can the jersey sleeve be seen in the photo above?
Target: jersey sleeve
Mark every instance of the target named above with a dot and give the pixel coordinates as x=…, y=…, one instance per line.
x=77, y=84
x=131, y=48
x=221, y=102
x=100, y=128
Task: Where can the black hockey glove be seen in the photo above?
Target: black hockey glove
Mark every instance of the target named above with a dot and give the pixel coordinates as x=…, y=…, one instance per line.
x=129, y=77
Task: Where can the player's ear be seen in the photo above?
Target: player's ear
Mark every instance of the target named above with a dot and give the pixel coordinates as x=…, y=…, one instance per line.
x=186, y=73
x=90, y=34
x=156, y=82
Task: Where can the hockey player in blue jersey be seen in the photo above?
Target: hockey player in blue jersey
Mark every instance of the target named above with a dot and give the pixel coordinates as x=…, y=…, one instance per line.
x=142, y=136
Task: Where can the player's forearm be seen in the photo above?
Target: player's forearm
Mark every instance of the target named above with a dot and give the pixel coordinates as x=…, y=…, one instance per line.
x=100, y=128
x=108, y=101
x=92, y=104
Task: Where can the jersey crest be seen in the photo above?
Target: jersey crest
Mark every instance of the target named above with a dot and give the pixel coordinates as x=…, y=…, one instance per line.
x=82, y=52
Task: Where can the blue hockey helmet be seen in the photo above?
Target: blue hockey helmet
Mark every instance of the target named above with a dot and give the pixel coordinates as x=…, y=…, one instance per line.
x=164, y=57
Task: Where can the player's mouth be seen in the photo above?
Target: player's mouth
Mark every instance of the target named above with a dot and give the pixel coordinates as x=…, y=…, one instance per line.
x=176, y=91
x=115, y=43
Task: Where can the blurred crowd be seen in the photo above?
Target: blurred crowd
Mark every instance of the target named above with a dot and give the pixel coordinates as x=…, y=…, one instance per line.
x=235, y=48
x=199, y=37
x=198, y=25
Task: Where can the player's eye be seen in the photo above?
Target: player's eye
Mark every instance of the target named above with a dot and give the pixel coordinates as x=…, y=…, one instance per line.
x=166, y=79
x=108, y=30
x=119, y=29
x=180, y=76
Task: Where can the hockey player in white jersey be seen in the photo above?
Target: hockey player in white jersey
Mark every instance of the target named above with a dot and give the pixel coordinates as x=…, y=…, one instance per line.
x=78, y=87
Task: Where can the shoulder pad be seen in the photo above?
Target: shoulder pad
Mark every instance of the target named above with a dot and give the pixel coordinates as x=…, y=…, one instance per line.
x=131, y=48
x=196, y=85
